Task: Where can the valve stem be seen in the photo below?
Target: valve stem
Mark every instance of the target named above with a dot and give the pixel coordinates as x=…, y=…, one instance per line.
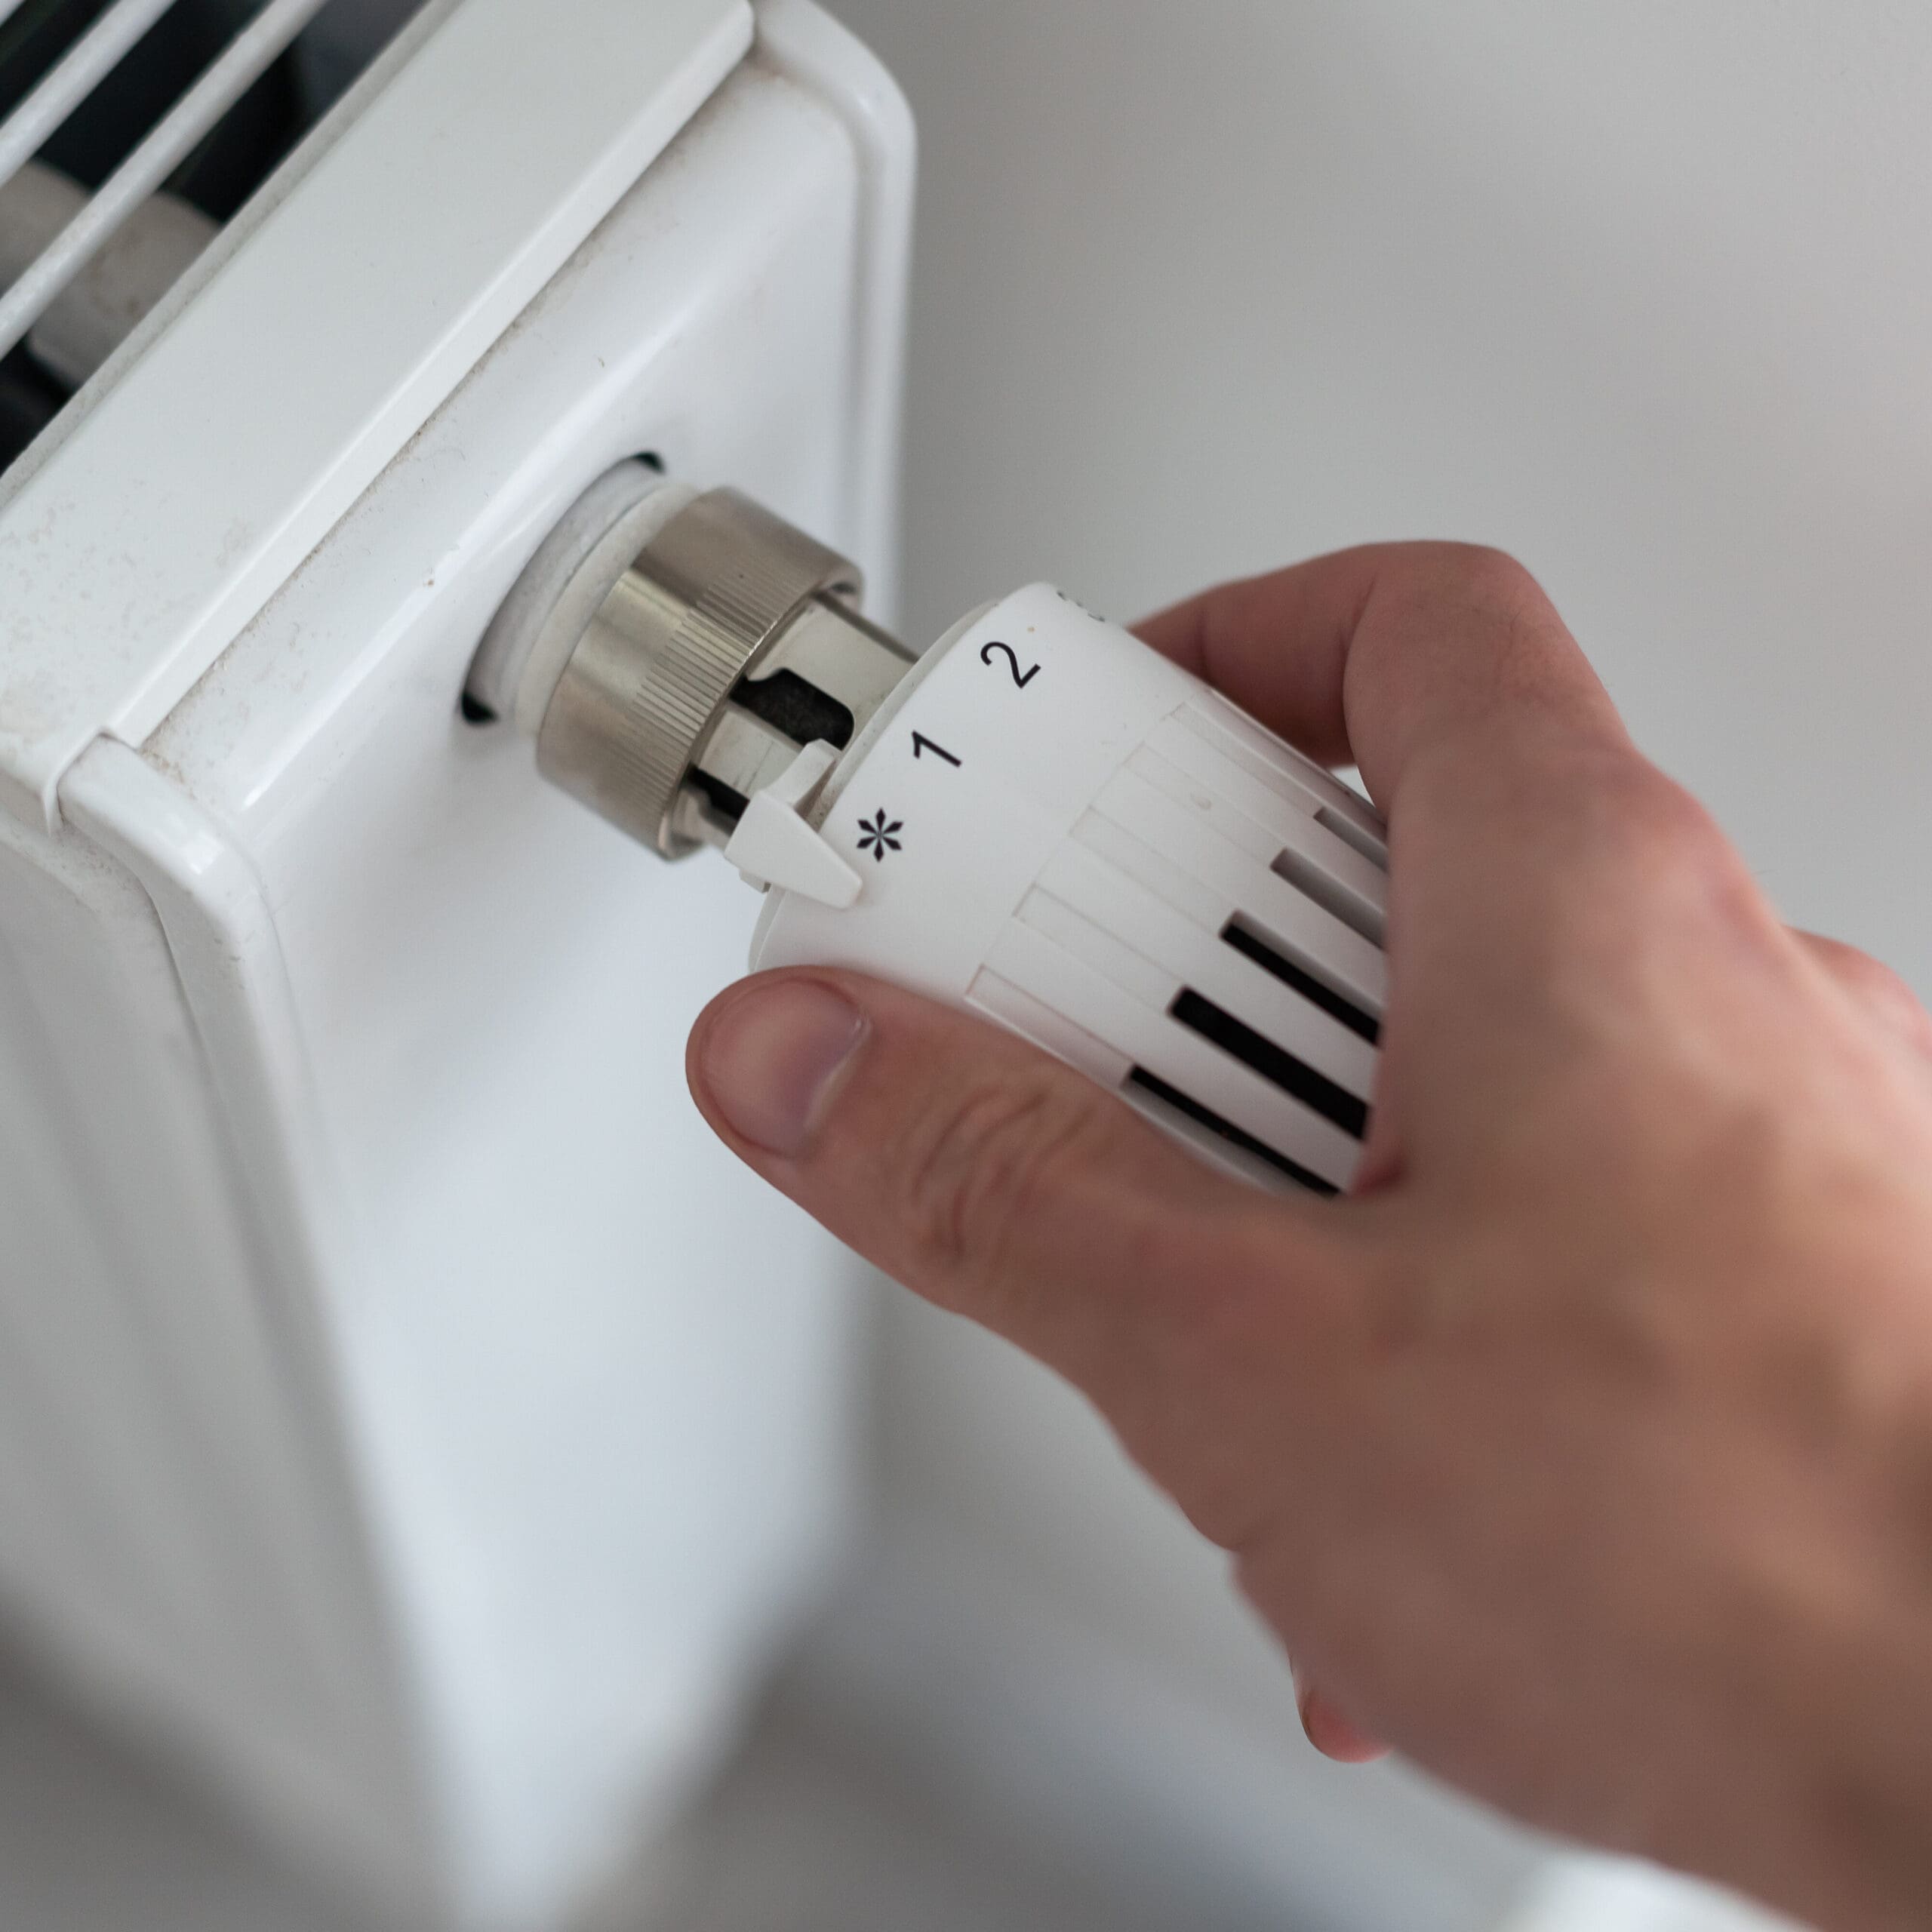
x=671, y=654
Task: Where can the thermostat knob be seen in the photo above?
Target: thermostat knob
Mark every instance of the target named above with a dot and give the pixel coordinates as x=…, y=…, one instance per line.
x=1056, y=827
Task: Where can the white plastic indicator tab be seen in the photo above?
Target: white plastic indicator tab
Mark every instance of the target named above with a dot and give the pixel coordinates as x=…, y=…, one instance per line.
x=1059, y=828
x=774, y=845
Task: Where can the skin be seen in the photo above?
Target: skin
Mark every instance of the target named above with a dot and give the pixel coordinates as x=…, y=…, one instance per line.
x=1584, y=1454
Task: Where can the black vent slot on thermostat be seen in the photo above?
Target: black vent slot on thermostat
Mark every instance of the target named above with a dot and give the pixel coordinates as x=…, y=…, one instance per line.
x=1350, y=833
x=1251, y=945
x=1190, y=1108
x=1335, y=898
x=1274, y=1064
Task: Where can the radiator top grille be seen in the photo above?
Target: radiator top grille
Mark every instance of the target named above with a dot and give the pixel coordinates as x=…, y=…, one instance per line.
x=130, y=130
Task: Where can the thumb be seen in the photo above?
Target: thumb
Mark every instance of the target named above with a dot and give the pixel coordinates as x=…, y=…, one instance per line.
x=985, y=1176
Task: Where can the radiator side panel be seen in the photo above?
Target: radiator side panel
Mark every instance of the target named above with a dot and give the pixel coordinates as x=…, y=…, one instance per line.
x=173, y=1526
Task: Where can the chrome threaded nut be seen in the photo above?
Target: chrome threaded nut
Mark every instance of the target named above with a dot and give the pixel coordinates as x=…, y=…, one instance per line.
x=656, y=666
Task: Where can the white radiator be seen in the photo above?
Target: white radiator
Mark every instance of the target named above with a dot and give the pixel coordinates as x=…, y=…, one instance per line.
x=406, y=1413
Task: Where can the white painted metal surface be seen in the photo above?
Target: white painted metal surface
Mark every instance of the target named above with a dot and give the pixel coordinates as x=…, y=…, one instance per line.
x=132, y=556
x=173, y=1541
x=525, y=1409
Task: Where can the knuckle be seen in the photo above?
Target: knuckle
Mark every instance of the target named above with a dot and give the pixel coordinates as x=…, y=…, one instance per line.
x=1488, y=577
x=1882, y=992
x=1666, y=819
x=986, y=1160
x=1483, y=563
x=1678, y=845
x=1874, y=979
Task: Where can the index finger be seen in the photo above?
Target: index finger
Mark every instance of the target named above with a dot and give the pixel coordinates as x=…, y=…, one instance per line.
x=1374, y=655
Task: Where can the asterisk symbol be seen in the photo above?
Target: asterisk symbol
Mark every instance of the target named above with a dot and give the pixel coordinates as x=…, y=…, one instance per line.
x=875, y=834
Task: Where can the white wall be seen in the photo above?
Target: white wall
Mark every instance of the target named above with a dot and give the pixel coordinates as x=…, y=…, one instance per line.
x=1642, y=291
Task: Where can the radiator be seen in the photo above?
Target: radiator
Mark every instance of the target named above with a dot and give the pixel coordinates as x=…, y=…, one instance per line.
x=409, y=1418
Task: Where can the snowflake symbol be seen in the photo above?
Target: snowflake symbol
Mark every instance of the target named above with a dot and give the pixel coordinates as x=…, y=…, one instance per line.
x=875, y=834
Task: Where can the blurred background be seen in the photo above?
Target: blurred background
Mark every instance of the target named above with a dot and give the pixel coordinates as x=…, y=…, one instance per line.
x=1638, y=291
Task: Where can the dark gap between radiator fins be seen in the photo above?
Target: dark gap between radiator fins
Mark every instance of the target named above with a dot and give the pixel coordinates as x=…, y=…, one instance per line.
x=1251, y=945
x=1225, y=1129
x=1274, y=1064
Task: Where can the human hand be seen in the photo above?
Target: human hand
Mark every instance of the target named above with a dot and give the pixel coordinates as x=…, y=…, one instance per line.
x=1585, y=1454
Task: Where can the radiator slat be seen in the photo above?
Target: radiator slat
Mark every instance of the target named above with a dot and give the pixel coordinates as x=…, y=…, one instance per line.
x=166, y=146
x=73, y=78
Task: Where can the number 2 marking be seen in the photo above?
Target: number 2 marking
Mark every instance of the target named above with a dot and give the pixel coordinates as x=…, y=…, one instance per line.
x=1021, y=678
x=921, y=742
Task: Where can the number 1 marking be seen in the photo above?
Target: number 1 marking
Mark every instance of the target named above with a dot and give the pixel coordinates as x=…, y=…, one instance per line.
x=921, y=742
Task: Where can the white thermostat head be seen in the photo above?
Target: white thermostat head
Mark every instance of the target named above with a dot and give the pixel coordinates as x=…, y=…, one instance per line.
x=1041, y=820
x=1057, y=828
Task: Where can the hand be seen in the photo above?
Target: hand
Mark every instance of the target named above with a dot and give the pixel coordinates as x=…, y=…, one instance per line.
x=1585, y=1454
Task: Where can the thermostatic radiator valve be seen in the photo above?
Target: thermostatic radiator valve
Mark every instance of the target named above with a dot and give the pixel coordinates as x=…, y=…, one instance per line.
x=1041, y=819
